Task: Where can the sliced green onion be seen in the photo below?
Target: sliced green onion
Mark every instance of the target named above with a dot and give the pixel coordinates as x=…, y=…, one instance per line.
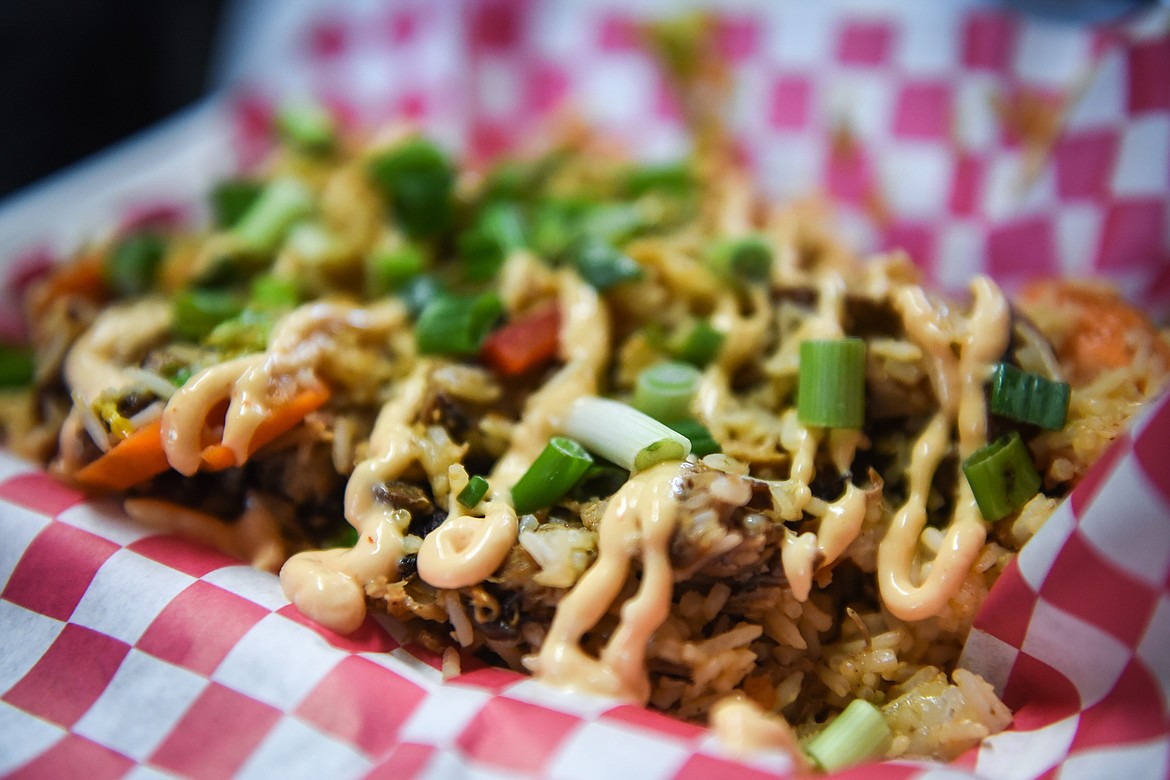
x=611, y=222
x=473, y=492
x=417, y=179
x=623, y=435
x=282, y=203
x=1002, y=477
x=389, y=269
x=698, y=345
x=831, y=391
x=417, y=293
x=16, y=366
x=702, y=442
x=1029, y=398
x=245, y=333
x=346, y=537
x=743, y=258
x=307, y=127
x=457, y=325
x=602, y=480
x=858, y=734
x=198, y=311
x=270, y=292
x=553, y=474
x=131, y=266
x=552, y=228
x=601, y=265
x=231, y=199
x=499, y=231
x=665, y=391
x=674, y=178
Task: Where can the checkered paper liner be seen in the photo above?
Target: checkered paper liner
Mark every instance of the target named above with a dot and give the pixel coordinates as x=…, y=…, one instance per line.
x=125, y=652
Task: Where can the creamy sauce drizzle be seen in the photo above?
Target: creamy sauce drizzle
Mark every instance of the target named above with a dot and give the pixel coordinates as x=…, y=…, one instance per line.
x=99, y=358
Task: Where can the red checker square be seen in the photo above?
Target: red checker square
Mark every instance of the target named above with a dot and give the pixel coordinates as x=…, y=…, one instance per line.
x=1149, y=88
x=1111, y=599
x=737, y=37
x=405, y=762
x=923, y=110
x=413, y=105
x=865, y=43
x=489, y=139
x=362, y=703
x=515, y=735
x=1134, y=230
x=848, y=177
x=70, y=676
x=327, y=39
x=41, y=493
x=653, y=721
x=1038, y=695
x=701, y=766
x=1084, y=164
x=1008, y=608
x=487, y=678
x=199, y=627
x=420, y=653
x=988, y=40
x=182, y=554
x=1022, y=249
x=1132, y=712
x=617, y=33
x=75, y=756
x=790, y=104
x=56, y=569
x=496, y=24
x=1092, y=482
x=966, y=184
x=666, y=103
x=402, y=26
x=216, y=735
x=916, y=239
x=1150, y=449
x=547, y=85
x=368, y=638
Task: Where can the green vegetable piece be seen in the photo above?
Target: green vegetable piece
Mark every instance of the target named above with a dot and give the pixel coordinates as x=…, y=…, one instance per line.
x=602, y=265
x=1029, y=398
x=498, y=232
x=698, y=345
x=553, y=474
x=473, y=492
x=1002, y=477
x=748, y=258
x=16, y=366
x=231, y=199
x=457, y=325
x=417, y=179
x=307, y=126
x=198, y=311
x=347, y=537
x=269, y=292
x=601, y=480
x=831, y=391
x=132, y=264
x=282, y=204
x=702, y=442
x=621, y=434
x=613, y=223
x=858, y=734
x=390, y=269
x=673, y=178
x=665, y=391
x=418, y=292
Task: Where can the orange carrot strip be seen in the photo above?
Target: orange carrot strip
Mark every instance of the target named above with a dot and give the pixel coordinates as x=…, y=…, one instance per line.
x=286, y=417
x=135, y=459
x=217, y=457
x=524, y=343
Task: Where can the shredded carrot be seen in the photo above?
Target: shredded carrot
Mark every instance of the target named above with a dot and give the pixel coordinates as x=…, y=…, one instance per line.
x=135, y=459
x=286, y=417
x=524, y=343
x=217, y=457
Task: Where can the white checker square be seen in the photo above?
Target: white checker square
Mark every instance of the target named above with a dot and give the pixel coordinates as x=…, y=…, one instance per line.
x=294, y=750
x=11, y=466
x=1060, y=640
x=801, y=34
x=1036, y=557
x=791, y=165
x=257, y=586
x=617, y=91
x=1102, y=104
x=1152, y=649
x=976, y=123
x=451, y=765
x=127, y=594
x=497, y=87
x=582, y=704
x=141, y=705
x=441, y=717
x=912, y=176
x=1001, y=187
x=771, y=761
x=18, y=527
x=1143, y=161
x=142, y=772
x=609, y=750
x=1050, y=54
x=401, y=662
x=23, y=737
x=1123, y=522
x=863, y=101
x=27, y=635
x=989, y=657
x=1078, y=232
x=1145, y=761
x=107, y=520
x=1017, y=755
x=960, y=254
x=925, y=39
x=278, y=662
x=556, y=29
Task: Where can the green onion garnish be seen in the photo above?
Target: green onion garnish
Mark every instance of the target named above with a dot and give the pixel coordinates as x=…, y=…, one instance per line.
x=553, y=474
x=16, y=366
x=665, y=391
x=702, y=442
x=747, y=258
x=484, y=248
x=611, y=223
x=418, y=292
x=601, y=265
x=473, y=492
x=697, y=345
x=231, y=199
x=1029, y=398
x=831, y=391
x=346, y=537
x=417, y=179
x=269, y=292
x=390, y=269
x=1002, y=477
x=307, y=126
x=602, y=480
x=674, y=178
x=132, y=264
x=282, y=203
x=457, y=325
x=198, y=311
x=623, y=435
x=858, y=734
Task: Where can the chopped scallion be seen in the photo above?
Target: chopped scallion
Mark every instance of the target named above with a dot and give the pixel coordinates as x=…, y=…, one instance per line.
x=1029, y=398
x=473, y=492
x=417, y=179
x=457, y=325
x=418, y=292
x=748, y=258
x=602, y=265
x=702, y=442
x=270, y=292
x=16, y=366
x=307, y=126
x=484, y=248
x=674, y=178
x=389, y=269
x=831, y=392
x=1002, y=477
x=665, y=391
x=623, y=435
x=283, y=202
x=132, y=264
x=858, y=734
x=198, y=311
x=232, y=198
x=698, y=345
x=602, y=480
x=553, y=474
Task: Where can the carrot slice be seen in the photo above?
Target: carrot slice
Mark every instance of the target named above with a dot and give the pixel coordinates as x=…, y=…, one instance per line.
x=524, y=343
x=135, y=459
x=217, y=457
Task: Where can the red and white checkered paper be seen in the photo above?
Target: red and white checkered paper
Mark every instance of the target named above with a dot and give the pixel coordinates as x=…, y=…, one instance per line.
x=124, y=652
